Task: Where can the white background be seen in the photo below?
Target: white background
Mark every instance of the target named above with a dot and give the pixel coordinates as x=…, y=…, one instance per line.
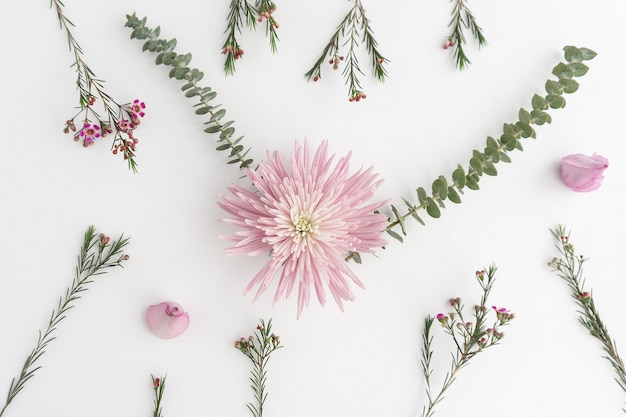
x=420, y=124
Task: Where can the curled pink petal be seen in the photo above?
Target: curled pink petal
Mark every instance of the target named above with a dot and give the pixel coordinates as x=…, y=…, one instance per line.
x=583, y=173
x=167, y=320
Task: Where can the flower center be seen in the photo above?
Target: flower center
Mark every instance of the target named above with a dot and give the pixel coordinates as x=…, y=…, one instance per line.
x=303, y=226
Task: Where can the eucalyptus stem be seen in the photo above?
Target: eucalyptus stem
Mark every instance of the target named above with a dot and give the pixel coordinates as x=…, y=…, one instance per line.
x=258, y=349
x=496, y=150
x=469, y=337
x=569, y=267
x=97, y=254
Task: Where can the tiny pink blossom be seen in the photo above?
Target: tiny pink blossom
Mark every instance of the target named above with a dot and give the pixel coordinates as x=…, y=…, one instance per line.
x=89, y=132
x=137, y=109
x=308, y=216
x=125, y=125
x=583, y=173
x=167, y=320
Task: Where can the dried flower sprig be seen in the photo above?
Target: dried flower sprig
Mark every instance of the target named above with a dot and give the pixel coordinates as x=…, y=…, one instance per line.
x=470, y=336
x=357, y=29
x=463, y=17
x=97, y=254
x=569, y=267
x=121, y=119
x=496, y=150
x=243, y=12
x=258, y=349
x=158, y=384
x=180, y=70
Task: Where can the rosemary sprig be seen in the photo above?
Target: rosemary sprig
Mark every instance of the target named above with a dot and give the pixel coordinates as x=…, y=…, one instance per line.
x=463, y=17
x=86, y=82
x=180, y=70
x=356, y=27
x=158, y=384
x=258, y=349
x=470, y=338
x=242, y=12
x=97, y=254
x=496, y=150
x=569, y=267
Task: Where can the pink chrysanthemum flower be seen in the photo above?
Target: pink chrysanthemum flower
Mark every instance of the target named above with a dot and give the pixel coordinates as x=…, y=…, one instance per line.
x=308, y=217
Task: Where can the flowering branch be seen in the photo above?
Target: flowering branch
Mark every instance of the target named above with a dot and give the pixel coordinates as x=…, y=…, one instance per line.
x=96, y=255
x=158, y=384
x=123, y=118
x=258, y=349
x=354, y=26
x=496, y=150
x=180, y=71
x=470, y=338
x=569, y=267
x=463, y=17
x=242, y=12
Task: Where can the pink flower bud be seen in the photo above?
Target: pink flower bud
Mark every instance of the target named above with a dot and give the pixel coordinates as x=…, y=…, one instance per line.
x=167, y=320
x=583, y=173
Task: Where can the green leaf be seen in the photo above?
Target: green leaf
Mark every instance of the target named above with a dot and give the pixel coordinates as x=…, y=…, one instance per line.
x=159, y=59
x=505, y=158
x=395, y=235
x=476, y=165
x=493, y=154
x=491, y=142
x=170, y=45
x=458, y=176
x=440, y=188
x=569, y=86
x=453, y=195
x=421, y=195
x=509, y=141
x=192, y=92
x=223, y=147
x=553, y=87
x=588, y=53
x=490, y=169
x=472, y=181
x=432, y=209
x=218, y=115
x=538, y=103
x=227, y=133
x=556, y=102
x=562, y=71
x=524, y=116
x=579, y=69
x=478, y=154
x=573, y=54
x=540, y=117
x=526, y=129
x=399, y=219
x=203, y=110
x=186, y=86
x=213, y=129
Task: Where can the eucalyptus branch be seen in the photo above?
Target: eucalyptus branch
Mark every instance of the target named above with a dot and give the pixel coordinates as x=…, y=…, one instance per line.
x=158, y=384
x=97, y=254
x=496, y=150
x=242, y=12
x=463, y=17
x=569, y=267
x=117, y=115
x=258, y=349
x=355, y=26
x=166, y=56
x=470, y=338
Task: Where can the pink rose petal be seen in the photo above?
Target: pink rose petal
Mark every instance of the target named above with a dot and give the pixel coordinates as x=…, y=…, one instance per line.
x=167, y=320
x=583, y=173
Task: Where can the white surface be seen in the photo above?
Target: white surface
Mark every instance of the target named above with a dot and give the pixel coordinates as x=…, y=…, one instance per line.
x=425, y=120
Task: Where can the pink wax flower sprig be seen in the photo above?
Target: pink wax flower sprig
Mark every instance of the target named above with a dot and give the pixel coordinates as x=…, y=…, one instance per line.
x=98, y=254
x=356, y=28
x=462, y=17
x=158, y=385
x=470, y=336
x=258, y=349
x=89, y=89
x=583, y=173
x=308, y=216
x=569, y=267
x=243, y=12
x=167, y=320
